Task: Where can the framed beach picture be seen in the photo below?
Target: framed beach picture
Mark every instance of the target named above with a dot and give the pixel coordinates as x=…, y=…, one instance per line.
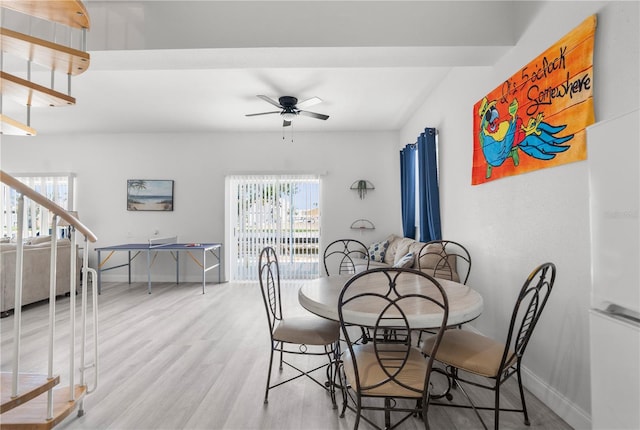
x=149, y=195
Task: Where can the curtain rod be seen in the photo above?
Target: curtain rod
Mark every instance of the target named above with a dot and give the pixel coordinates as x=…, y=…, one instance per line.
x=416, y=143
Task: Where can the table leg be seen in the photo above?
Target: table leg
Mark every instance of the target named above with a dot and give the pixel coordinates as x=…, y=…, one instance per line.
x=177, y=267
x=204, y=268
x=99, y=274
x=148, y=271
x=129, y=265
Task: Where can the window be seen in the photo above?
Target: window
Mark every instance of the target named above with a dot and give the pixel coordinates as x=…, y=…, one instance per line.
x=37, y=222
x=274, y=210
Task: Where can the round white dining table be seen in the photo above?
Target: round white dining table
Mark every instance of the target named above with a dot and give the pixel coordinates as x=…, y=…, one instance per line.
x=320, y=296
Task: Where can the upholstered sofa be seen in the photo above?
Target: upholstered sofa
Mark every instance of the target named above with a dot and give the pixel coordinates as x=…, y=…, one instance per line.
x=35, y=278
x=439, y=258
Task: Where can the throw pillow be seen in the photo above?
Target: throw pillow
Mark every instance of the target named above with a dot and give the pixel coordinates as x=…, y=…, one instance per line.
x=404, y=248
x=431, y=256
x=377, y=250
x=405, y=261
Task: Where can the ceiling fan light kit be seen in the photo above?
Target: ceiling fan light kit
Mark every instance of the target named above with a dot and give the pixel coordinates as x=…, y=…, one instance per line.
x=290, y=108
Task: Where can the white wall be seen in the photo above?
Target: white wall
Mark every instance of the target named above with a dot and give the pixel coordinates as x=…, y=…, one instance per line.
x=509, y=225
x=513, y=224
x=198, y=164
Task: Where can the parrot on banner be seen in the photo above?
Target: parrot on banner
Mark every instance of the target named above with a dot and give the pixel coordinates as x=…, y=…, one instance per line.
x=502, y=139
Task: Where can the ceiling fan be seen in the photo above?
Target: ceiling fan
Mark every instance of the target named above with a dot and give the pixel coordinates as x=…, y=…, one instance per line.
x=290, y=108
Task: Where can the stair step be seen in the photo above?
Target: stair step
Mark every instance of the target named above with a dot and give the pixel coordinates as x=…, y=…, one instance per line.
x=30, y=385
x=33, y=414
x=11, y=127
x=29, y=93
x=69, y=12
x=56, y=57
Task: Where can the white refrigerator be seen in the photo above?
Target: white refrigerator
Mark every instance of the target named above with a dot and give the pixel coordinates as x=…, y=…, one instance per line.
x=614, y=317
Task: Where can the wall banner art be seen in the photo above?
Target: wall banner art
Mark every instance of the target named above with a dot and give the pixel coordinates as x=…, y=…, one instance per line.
x=537, y=117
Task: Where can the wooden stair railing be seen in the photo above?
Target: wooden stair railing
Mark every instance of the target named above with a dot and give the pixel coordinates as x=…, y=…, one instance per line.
x=53, y=56
x=34, y=401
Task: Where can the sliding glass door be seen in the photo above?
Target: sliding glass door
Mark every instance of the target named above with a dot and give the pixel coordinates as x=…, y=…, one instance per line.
x=281, y=211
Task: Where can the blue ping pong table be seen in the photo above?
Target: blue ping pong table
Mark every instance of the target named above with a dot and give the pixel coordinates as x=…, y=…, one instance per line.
x=135, y=249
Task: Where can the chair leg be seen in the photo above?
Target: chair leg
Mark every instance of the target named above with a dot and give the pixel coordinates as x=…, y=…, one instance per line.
x=473, y=406
x=358, y=412
x=266, y=392
x=332, y=371
x=524, y=404
x=424, y=405
x=387, y=413
x=365, y=335
x=343, y=387
x=496, y=423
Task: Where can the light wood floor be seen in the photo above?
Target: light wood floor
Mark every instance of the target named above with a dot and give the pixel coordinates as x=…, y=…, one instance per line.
x=178, y=359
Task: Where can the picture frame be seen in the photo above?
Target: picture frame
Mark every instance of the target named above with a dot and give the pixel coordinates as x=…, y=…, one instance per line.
x=149, y=195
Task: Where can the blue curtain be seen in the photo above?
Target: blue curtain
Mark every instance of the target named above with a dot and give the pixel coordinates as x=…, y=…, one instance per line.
x=429, y=194
x=408, y=190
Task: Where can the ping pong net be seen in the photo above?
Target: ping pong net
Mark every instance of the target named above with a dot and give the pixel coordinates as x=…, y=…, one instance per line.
x=162, y=241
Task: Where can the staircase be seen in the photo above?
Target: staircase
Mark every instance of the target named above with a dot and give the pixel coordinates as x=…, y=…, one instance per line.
x=41, y=401
x=29, y=408
x=46, y=17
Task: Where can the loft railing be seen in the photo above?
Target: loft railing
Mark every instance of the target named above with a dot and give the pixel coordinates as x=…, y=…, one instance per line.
x=75, y=392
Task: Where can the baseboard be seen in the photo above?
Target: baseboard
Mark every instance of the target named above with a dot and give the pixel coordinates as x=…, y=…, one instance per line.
x=558, y=403
x=115, y=277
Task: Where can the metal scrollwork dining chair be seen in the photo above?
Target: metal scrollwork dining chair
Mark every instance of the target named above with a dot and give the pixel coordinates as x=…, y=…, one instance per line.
x=445, y=259
x=342, y=256
x=346, y=257
x=388, y=374
x=490, y=363
x=298, y=335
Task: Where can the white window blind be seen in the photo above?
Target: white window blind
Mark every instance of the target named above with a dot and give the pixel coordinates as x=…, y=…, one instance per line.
x=56, y=187
x=280, y=211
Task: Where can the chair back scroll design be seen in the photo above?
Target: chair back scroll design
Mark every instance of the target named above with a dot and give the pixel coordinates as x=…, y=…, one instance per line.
x=269, y=275
x=449, y=258
x=528, y=308
x=388, y=366
x=340, y=255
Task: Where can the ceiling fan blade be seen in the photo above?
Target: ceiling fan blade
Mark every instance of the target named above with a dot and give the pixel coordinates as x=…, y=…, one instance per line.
x=270, y=100
x=286, y=123
x=309, y=102
x=262, y=113
x=313, y=114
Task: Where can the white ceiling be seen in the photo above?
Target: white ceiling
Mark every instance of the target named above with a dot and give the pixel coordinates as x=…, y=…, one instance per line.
x=197, y=66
